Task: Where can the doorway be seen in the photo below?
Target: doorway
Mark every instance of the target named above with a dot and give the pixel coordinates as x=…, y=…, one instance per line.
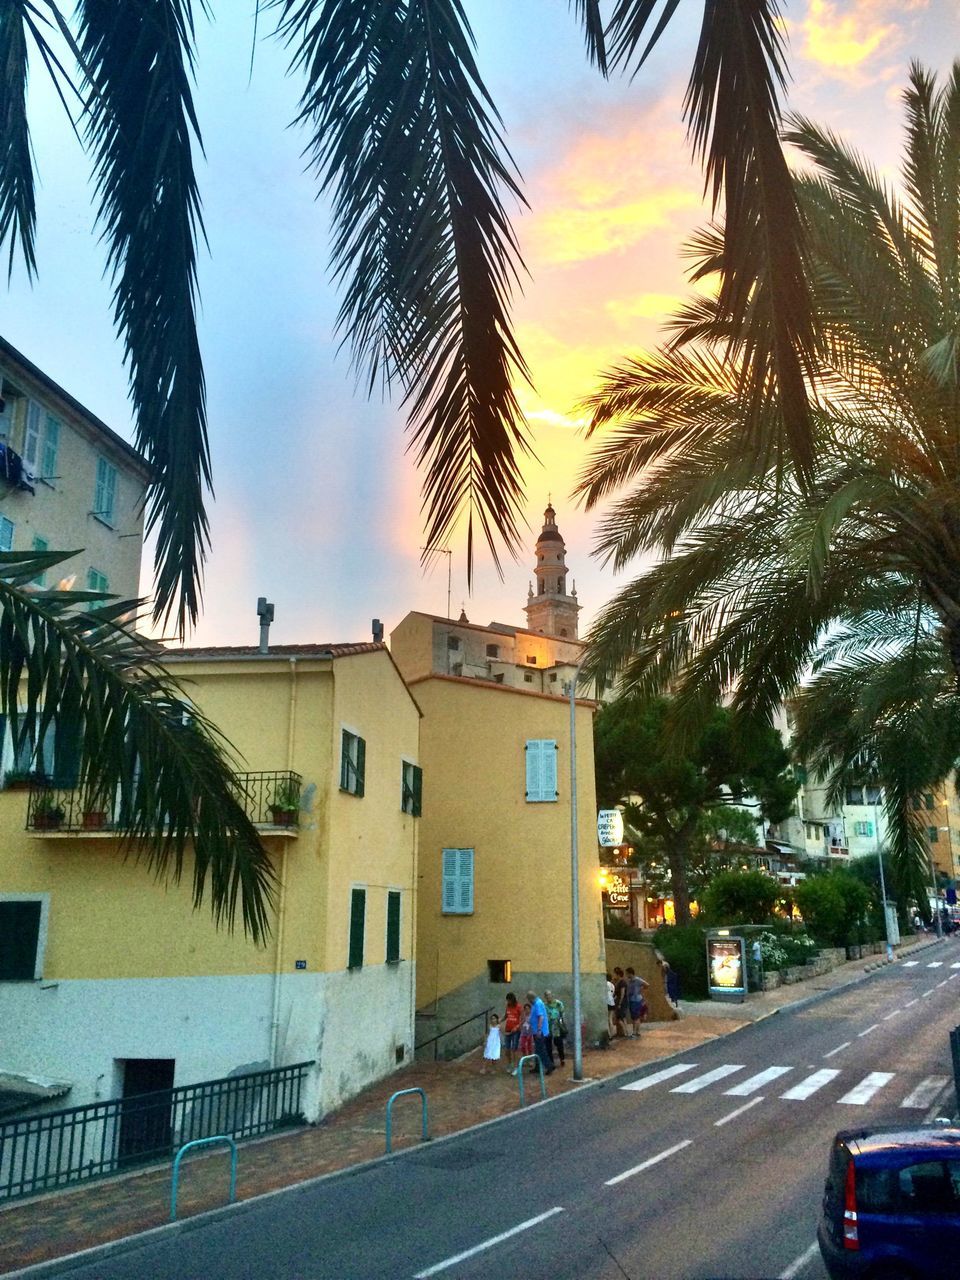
x=145, y=1112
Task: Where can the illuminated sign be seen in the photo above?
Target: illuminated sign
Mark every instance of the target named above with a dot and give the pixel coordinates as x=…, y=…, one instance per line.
x=617, y=891
x=609, y=828
x=726, y=968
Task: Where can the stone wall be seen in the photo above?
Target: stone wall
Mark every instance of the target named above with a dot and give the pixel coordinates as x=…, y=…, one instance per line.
x=642, y=957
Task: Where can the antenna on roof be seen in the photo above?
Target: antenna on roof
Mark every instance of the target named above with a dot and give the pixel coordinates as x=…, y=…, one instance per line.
x=442, y=551
x=265, y=614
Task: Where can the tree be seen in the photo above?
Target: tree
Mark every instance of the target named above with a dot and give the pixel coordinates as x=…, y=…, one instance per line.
x=405, y=138
x=741, y=897
x=834, y=906
x=854, y=574
x=667, y=783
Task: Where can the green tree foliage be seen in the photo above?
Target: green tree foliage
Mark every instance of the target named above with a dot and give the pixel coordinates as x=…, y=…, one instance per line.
x=684, y=949
x=834, y=907
x=667, y=783
x=740, y=897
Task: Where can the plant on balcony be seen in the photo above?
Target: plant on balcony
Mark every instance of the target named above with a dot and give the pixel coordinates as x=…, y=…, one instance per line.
x=47, y=814
x=21, y=779
x=94, y=818
x=285, y=804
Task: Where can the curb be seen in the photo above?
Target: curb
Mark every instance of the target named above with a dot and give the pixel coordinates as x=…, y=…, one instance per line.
x=129, y=1244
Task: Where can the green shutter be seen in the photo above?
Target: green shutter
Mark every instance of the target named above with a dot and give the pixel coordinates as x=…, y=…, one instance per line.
x=393, y=927
x=361, y=765
x=66, y=754
x=358, y=911
x=19, y=937
x=345, y=760
x=417, y=791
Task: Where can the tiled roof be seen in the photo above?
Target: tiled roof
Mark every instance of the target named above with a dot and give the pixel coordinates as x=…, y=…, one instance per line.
x=275, y=651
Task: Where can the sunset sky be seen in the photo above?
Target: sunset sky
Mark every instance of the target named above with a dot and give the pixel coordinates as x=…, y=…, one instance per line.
x=316, y=503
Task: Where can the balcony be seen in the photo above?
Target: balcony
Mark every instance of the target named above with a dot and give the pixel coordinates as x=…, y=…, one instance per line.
x=271, y=801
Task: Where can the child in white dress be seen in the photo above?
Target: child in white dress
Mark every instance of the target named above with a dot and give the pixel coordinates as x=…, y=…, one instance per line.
x=491, y=1049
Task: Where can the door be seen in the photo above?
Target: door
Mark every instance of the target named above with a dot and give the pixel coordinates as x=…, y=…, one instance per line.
x=145, y=1113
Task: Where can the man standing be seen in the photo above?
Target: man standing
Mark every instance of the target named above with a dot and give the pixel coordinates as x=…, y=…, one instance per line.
x=540, y=1030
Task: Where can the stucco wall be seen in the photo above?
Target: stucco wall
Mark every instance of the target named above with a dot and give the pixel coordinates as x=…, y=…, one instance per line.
x=641, y=956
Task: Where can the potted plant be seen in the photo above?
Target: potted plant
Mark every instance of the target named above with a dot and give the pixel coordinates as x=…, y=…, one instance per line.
x=285, y=805
x=21, y=779
x=47, y=814
x=93, y=818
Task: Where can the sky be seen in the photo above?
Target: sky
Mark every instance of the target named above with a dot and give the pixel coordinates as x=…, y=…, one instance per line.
x=316, y=502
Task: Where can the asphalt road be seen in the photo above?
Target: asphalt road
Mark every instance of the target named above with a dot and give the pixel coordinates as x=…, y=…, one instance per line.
x=712, y=1170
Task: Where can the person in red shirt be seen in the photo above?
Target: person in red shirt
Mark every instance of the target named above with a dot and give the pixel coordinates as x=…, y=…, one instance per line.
x=512, y=1018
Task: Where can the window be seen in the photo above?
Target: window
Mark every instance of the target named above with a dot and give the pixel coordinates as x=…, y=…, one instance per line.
x=873, y=794
x=927, y=1188
x=411, y=788
x=31, y=438
x=493, y=651
x=853, y=795
x=500, y=970
x=353, y=754
x=393, y=927
x=933, y=835
x=457, y=888
x=531, y=659
x=105, y=493
x=541, y=760
x=358, y=919
x=553, y=677
x=97, y=581
x=453, y=642
x=22, y=936
x=917, y=804
x=928, y=801
x=528, y=677
x=6, y=534
x=863, y=828
x=41, y=545
x=48, y=453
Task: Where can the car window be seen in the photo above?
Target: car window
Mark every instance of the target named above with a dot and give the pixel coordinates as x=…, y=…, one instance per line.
x=878, y=1190
x=927, y=1188
x=953, y=1173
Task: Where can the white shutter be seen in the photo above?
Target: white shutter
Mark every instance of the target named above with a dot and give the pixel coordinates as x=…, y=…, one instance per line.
x=465, y=877
x=449, y=894
x=51, y=440
x=548, y=769
x=457, y=874
x=31, y=438
x=533, y=769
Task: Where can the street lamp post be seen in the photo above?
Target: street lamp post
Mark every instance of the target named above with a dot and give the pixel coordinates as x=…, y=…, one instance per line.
x=883, y=886
x=575, y=883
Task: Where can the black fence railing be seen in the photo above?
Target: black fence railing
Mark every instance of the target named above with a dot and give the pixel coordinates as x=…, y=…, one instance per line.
x=270, y=800
x=58, y=1148
x=457, y=1026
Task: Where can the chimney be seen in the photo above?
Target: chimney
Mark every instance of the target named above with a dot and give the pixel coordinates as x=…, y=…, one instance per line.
x=377, y=626
x=265, y=614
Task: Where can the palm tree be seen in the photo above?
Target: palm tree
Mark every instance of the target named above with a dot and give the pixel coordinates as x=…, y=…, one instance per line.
x=857, y=570
x=70, y=661
x=407, y=141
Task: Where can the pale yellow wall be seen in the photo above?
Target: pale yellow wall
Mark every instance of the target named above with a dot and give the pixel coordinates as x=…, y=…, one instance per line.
x=411, y=643
x=472, y=740
x=61, y=509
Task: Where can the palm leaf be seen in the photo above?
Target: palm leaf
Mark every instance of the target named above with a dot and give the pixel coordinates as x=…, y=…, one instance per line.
x=588, y=12
x=18, y=214
x=141, y=741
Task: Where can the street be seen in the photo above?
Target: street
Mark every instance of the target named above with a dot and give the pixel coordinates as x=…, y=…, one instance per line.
x=710, y=1165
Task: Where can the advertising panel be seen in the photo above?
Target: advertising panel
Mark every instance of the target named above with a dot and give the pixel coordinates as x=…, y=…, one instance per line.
x=726, y=968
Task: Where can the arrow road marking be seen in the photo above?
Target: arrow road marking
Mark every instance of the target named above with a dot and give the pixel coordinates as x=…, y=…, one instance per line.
x=670, y=1151
x=867, y=1087
x=756, y=1082
x=677, y=1069
x=812, y=1083
x=925, y=1092
x=709, y=1077
x=487, y=1244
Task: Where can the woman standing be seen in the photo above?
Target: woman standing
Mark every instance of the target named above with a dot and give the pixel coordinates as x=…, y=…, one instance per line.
x=558, y=1028
x=620, y=1001
x=512, y=1018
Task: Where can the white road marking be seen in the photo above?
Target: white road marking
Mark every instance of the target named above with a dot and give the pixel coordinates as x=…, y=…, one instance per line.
x=666, y=1074
x=845, y=1045
x=739, y=1112
x=756, y=1082
x=867, y=1087
x=621, y=1177
x=943, y=983
x=868, y=1030
x=955, y=965
x=812, y=1083
x=935, y=964
x=487, y=1244
x=892, y=1014
x=797, y=1265
x=911, y=1003
x=709, y=1077
x=925, y=1092
x=910, y=964
x=924, y=994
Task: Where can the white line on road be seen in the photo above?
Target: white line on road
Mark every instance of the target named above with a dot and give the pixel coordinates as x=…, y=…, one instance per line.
x=911, y=1003
x=797, y=1265
x=892, y=1014
x=868, y=1030
x=924, y=994
x=867, y=1087
x=487, y=1244
x=739, y=1112
x=812, y=1083
x=910, y=964
x=845, y=1045
x=955, y=965
x=709, y=1077
x=935, y=964
x=756, y=1082
x=671, y=1151
x=667, y=1073
x=925, y=1092
x=943, y=983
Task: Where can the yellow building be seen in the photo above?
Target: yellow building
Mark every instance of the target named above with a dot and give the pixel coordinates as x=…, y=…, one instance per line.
x=108, y=979
x=939, y=812
x=494, y=896
x=67, y=481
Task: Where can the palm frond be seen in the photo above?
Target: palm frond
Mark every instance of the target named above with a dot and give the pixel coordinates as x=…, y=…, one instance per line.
x=140, y=740
x=18, y=213
x=589, y=15
x=138, y=60
x=406, y=138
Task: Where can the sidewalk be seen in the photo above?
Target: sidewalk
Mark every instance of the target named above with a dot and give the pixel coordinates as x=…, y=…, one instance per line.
x=459, y=1096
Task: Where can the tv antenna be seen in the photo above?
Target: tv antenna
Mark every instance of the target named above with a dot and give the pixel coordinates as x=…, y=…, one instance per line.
x=442, y=551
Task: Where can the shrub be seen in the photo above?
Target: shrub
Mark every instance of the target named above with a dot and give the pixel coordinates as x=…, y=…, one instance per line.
x=773, y=954
x=740, y=897
x=833, y=907
x=618, y=929
x=684, y=948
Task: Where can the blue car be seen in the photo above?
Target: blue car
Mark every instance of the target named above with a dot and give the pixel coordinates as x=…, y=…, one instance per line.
x=891, y=1204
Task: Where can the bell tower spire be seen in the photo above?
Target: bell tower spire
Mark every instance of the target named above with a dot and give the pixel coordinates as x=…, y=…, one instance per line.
x=550, y=609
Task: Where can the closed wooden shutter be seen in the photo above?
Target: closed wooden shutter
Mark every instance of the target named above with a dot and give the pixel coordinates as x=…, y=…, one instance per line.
x=393, y=927
x=417, y=791
x=457, y=891
x=358, y=912
x=541, y=769
x=19, y=938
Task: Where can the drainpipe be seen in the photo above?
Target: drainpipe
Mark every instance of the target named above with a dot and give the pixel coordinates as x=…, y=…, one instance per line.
x=282, y=899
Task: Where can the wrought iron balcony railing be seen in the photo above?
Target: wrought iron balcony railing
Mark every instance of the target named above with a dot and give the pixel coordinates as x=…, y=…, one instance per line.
x=270, y=800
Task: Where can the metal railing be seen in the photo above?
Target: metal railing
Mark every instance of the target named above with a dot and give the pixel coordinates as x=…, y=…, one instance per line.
x=424, y=1127
x=269, y=799
x=55, y=1149
x=203, y=1142
x=435, y=1040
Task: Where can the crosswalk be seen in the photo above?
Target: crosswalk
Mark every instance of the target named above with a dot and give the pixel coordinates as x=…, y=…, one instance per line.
x=853, y=1093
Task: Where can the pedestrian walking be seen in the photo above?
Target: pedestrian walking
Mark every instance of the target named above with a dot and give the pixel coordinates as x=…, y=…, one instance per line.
x=636, y=999
x=611, y=1006
x=491, y=1050
x=512, y=1021
x=620, y=1010
x=526, y=1037
x=558, y=1027
x=540, y=1030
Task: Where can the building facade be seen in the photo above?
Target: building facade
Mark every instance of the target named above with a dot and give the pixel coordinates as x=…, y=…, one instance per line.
x=67, y=481
x=108, y=977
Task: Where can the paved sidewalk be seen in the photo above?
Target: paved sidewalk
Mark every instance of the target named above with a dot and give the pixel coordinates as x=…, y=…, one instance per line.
x=459, y=1096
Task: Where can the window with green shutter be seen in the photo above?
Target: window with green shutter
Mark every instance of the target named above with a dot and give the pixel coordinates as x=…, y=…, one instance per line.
x=353, y=755
x=393, y=927
x=41, y=545
x=6, y=534
x=19, y=940
x=457, y=886
x=358, y=915
x=105, y=492
x=48, y=455
x=411, y=788
x=541, y=770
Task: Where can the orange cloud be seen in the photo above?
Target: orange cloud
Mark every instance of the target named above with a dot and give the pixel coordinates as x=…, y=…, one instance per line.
x=841, y=37
x=646, y=306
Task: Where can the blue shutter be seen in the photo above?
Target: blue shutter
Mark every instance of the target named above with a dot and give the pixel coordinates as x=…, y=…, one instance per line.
x=6, y=534
x=533, y=769
x=465, y=880
x=51, y=440
x=457, y=876
x=548, y=769
x=449, y=889
x=31, y=438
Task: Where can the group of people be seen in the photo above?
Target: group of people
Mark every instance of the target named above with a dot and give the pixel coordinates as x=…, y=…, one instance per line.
x=626, y=1001
x=536, y=1027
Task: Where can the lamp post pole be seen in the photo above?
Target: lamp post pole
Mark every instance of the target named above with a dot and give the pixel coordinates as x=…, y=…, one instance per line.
x=883, y=886
x=575, y=883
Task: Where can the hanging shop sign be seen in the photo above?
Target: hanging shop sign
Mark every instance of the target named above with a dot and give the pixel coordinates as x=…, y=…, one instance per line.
x=609, y=828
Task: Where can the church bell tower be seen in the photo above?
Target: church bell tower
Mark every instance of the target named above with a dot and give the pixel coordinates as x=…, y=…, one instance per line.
x=550, y=609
